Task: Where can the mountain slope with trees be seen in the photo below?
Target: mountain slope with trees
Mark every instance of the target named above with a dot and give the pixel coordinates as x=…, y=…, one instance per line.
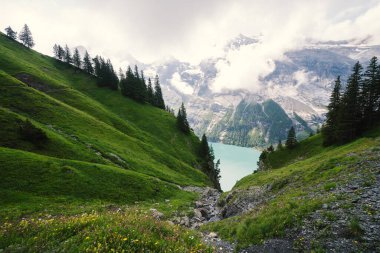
x=73, y=147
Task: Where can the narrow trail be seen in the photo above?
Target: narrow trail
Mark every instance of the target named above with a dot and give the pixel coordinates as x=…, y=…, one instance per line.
x=206, y=210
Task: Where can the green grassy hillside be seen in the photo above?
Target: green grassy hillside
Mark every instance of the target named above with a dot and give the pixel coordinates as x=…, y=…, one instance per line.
x=77, y=115
x=300, y=182
x=104, y=152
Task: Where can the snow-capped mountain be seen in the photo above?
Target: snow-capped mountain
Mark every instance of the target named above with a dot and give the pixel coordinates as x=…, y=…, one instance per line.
x=296, y=92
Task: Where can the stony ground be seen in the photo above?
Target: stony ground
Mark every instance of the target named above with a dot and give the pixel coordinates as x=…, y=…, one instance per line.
x=349, y=223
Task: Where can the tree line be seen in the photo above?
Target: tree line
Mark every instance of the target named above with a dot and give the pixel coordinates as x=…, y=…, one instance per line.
x=131, y=84
x=25, y=35
x=290, y=143
x=357, y=108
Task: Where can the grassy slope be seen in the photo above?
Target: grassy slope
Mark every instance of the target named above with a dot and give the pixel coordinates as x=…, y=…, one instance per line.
x=104, y=152
x=143, y=136
x=307, y=169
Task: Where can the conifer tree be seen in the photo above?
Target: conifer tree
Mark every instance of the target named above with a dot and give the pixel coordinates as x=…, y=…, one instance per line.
x=291, y=141
x=97, y=68
x=330, y=129
x=121, y=74
x=87, y=65
x=60, y=53
x=158, y=99
x=122, y=85
x=262, y=163
x=350, y=115
x=55, y=51
x=216, y=175
x=377, y=95
x=136, y=73
x=141, y=88
x=209, y=168
x=67, y=56
x=204, y=148
x=150, y=94
x=270, y=148
x=182, y=122
x=356, y=109
x=369, y=94
x=112, y=80
x=77, y=59
x=10, y=33
x=127, y=84
x=26, y=37
x=106, y=74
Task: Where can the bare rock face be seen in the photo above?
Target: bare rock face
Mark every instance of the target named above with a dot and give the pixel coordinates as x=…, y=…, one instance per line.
x=240, y=201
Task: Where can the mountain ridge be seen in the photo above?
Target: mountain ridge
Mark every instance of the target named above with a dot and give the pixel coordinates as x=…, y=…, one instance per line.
x=307, y=74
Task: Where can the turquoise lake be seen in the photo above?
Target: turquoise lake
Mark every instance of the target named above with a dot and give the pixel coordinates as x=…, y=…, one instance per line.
x=235, y=163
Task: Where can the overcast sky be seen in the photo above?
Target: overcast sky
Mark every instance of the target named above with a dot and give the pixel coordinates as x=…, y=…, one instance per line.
x=150, y=30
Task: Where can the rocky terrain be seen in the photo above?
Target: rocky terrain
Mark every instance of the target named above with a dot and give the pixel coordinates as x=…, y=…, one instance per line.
x=348, y=222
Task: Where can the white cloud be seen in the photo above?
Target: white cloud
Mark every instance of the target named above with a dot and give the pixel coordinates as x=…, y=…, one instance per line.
x=193, y=30
x=180, y=85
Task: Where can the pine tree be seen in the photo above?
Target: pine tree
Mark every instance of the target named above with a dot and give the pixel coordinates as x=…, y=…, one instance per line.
x=60, y=53
x=158, y=99
x=182, y=122
x=130, y=85
x=123, y=85
x=55, y=51
x=262, y=163
x=141, y=88
x=10, y=33
x=26, y=37
x=330, y=129
x=369, y=94
x=377, y=95
x=150, y=94
x=350, y=112
x=216, y=175
x=97, y=68
x=291, y=141
x=111, y=77
x=204, y=148
x=121, y=74
x=67, y=56
x=77, y=59
x=270, y=148
x=106, y=76
x=209, y=168
x=87, y=65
